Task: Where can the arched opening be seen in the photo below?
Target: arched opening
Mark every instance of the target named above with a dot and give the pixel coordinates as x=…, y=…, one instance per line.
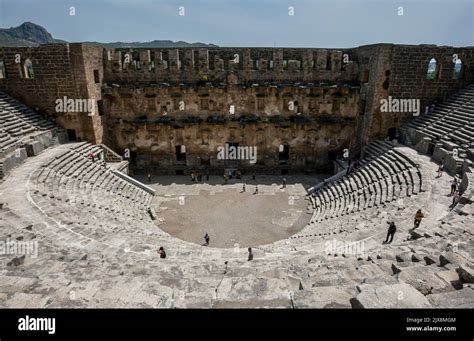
x=270, y=64
x=457, y=71
x=392, y=133
x=256, y=64
x=28, y=69
x=433, y=69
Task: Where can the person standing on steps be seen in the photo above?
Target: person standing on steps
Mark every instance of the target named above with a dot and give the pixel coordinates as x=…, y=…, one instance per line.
x=418, y=217
x=440, y=168
x=391, y=232
x=250, y=258
x=161, y=252
x=454, y=185
x=456, y=198
x=206, y=239
x=226, y=267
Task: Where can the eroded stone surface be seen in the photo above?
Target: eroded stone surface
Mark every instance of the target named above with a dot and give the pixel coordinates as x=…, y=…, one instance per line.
x=389, y=296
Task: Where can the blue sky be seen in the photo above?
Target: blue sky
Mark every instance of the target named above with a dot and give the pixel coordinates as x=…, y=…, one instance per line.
x=316, y=23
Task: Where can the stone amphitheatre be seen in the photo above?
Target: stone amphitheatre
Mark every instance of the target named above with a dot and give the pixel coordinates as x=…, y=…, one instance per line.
x=87, y=197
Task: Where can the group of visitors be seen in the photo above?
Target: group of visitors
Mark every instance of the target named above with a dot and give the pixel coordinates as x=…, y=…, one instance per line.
x=162, y=253
x=455, y=194
x=455, y=191
x=198, y=177
x=392, y=228
x=244, y=188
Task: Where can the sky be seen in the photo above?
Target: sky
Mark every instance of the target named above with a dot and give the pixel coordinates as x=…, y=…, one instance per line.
x=251, y=23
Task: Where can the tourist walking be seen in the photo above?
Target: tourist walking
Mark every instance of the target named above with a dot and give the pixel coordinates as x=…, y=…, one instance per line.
x=206, y=240
x=390, y=233
x=243, y=188
x=440, y=168
x=284, y=182
x=454, y=185
x=418, y=217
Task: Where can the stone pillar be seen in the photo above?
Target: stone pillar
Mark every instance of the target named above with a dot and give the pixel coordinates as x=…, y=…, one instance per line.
x=203, y=62
x=307, y=66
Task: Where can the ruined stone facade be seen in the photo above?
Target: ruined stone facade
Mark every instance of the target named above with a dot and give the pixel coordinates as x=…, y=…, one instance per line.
x=170, y=109
x=74, y=71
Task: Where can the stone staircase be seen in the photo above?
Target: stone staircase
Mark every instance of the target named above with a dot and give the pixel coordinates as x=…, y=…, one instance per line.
x=19, y=120
x=21, y=127
x=448, y=130
x=385, y=175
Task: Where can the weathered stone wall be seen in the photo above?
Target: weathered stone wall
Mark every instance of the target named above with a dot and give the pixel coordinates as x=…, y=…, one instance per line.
x=214, y=64
x=12, y=161
x=87, y=59
x=400, y=71
x=324, y=120
x=153, y=145
x=409, y=66
x=59, y=70
x=373, y=121
x=153, y=100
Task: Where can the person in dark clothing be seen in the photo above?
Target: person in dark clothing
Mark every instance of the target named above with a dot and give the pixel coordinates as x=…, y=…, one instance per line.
x=250, y=258
x=440, y=168
x=162, y=252
x=206, y=239
x=226, y=267
x=149, y=177
x=454, y=186
x=391, y=232
x=284, y=182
